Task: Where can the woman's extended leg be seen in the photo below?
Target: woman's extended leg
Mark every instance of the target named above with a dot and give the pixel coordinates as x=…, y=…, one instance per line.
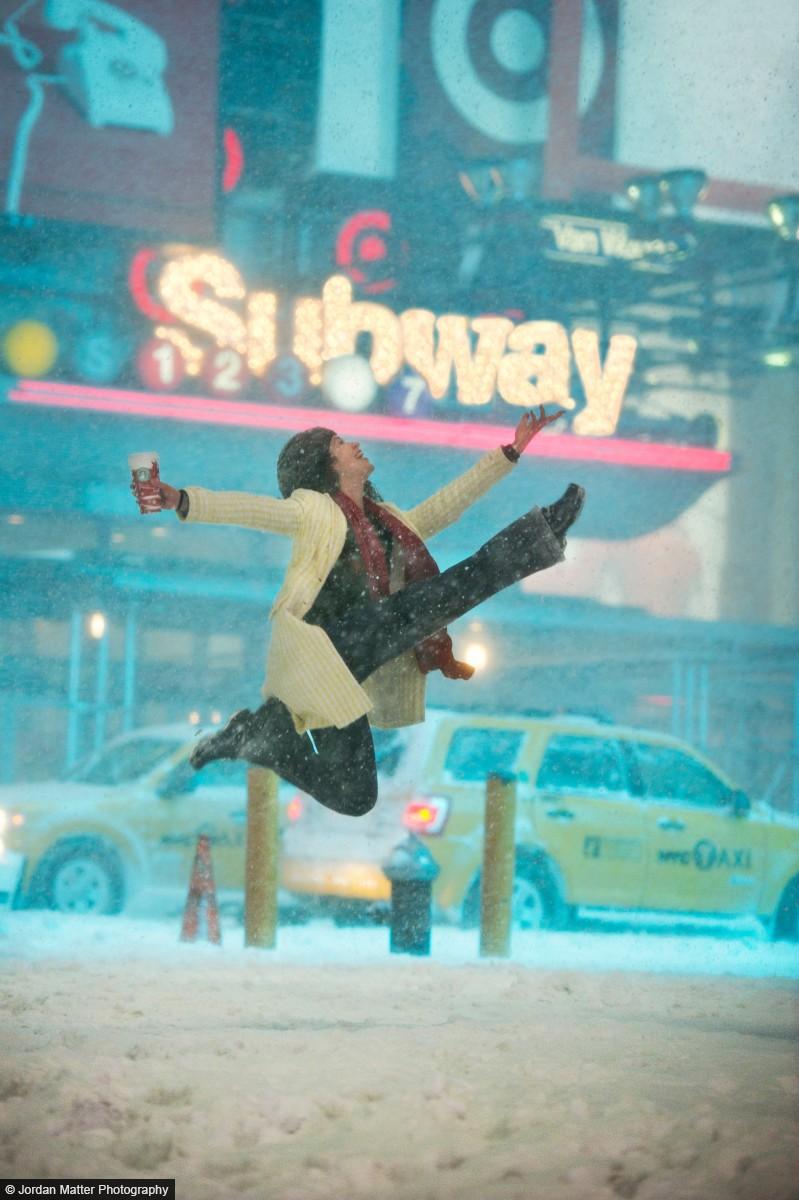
x=374, y=632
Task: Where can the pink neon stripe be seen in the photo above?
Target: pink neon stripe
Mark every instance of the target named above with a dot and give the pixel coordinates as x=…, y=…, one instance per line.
x=462, y=435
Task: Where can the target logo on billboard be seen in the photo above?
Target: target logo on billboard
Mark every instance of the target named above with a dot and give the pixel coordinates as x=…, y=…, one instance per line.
x=368, y=251
x=480, y=70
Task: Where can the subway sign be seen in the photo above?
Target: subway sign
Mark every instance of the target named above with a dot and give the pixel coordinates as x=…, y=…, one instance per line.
x=206, y=323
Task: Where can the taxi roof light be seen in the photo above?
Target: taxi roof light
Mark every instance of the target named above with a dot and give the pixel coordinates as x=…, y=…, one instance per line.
x=426, y=814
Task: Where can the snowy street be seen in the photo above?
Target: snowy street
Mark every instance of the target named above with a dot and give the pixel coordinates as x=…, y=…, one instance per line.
x=590, y=1066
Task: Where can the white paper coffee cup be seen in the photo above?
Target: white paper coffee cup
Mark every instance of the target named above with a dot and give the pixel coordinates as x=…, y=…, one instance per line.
x=146, y=480
x=143, y=460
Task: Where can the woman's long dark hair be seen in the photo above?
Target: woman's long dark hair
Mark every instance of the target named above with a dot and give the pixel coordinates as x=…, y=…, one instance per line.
x=305, y=462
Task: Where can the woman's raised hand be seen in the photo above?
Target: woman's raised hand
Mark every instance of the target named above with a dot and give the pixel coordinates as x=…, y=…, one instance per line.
x=532, y=423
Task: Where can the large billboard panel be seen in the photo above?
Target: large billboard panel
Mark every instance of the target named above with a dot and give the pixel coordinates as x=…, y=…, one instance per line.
x=478, y=77
x=109, y=113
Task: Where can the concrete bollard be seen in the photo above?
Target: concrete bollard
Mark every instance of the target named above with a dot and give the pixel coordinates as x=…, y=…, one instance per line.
x=499, y=865
x=411, y=870
x=261, y=859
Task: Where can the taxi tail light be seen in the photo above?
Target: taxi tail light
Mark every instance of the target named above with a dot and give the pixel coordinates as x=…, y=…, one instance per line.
x=295, y=808
x=426, y=814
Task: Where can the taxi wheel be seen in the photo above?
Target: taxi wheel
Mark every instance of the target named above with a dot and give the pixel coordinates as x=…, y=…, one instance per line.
x=80, y=875
x=536, y=902
x=528, y=903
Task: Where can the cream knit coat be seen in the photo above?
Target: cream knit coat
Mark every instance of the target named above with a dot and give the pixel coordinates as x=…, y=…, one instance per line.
x=303, y=668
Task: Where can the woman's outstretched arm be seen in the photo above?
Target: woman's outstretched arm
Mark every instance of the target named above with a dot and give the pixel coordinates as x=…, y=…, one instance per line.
x=249, y=511
x=447, y=504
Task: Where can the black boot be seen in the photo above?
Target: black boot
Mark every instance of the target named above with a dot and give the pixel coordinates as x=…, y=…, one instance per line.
x=226, y=743
x=263, y=737
x=271, y=739
x=564, y=512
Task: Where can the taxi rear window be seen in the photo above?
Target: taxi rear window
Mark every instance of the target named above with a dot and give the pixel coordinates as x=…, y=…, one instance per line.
x=574, y=763
x=475, y=753
x=668, y=774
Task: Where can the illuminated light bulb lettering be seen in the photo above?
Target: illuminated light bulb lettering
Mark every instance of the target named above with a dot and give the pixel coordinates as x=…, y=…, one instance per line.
x=345, y=319
x=309, y=337
x=549, y=367
x=177, y=287
x=261, y=331
x=604, y=387
x=418, y=332
x=192, y=355
x=475, y=371
x=527, y=364
x=477, y=377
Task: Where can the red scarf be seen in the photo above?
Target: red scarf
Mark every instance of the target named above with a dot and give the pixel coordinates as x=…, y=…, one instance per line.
x=434, y=653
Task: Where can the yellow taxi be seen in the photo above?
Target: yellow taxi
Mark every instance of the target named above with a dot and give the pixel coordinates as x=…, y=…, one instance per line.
x=124, y=823
x=608, y=817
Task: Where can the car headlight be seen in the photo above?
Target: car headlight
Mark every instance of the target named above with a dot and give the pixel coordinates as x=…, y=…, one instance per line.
x=8, y=819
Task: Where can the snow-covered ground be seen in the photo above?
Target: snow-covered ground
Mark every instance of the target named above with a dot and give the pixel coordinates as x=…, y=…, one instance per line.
x=589, y=1066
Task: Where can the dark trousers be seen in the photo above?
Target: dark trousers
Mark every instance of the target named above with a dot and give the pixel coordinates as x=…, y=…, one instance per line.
x=340, y=771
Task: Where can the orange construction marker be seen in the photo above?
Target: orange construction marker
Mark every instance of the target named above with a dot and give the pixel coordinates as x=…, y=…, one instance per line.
x=201, y=885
